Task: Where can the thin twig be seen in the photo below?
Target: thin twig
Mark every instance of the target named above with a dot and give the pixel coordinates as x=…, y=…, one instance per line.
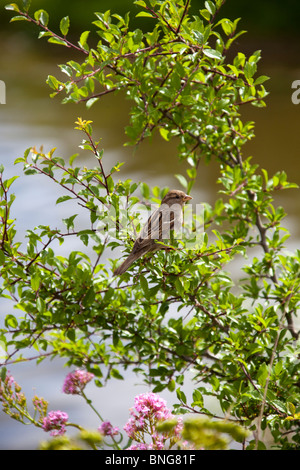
x=183, y=15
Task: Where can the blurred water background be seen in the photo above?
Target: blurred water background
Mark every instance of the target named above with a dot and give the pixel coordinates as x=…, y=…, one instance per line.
x=30, y=118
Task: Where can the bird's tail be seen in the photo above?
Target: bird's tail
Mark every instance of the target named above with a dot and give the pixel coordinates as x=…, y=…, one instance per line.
x=126, y=264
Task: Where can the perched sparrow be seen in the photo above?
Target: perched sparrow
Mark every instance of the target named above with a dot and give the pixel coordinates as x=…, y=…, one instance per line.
x=158, y=227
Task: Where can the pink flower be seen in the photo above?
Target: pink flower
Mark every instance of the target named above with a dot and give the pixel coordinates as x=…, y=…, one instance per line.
x=151, y=404
x=6, y=385
x=149, y=409
x=139, y=446
x=179, y=427
x=107, y=429
x=55, y=422
x=9, y=380
x=76, y=381
x=131, y=428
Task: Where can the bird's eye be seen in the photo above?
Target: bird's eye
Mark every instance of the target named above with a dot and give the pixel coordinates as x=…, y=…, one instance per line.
x=177, y=196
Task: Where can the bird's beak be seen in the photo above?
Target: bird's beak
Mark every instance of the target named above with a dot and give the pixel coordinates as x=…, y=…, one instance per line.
x=187, y=198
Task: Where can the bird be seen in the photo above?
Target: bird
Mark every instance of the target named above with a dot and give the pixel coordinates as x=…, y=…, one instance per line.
x=161, y=222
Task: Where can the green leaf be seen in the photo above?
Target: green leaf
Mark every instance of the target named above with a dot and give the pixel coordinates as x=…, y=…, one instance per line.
x=7, y=183
x=110, y=184
x=40, y=304
x=145, y=190
x=164, y=133
x=69, y=222
x=291, y=408
x=261, y=79
x=12, y=6
x=18, y=18
x=116, y=374
x=179, y=286
x=212, y=53
x=26, y=4
x=52, y=82
x=249, y=69
x=72, y=158
x=2, y=258
x=227, y=27
x=181, y=395
x=205, y=13
x=90, y=102
x=3, y=373
x=64, y=25
x=56, y=40
x=63, y=199
x=42, y=16
x=35, y=281
x=262, y=374
x=66, y=69
x=197, y=398
x=144, y=285
x=141, y=3
x=171, y=385
x=11, y=321
x=278, y=368
x=71, y=334
x=145, y=14
x=43, y=34
x=210, y=7
x=192, y=173
x=182, y=180
x=83, y=38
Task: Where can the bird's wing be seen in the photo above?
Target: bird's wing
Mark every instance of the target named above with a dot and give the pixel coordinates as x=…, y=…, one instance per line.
x=157, y=227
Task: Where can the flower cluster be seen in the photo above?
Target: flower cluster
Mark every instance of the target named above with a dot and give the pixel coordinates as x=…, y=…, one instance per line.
x=150, y=409
x=55, y=422
x=76, y=381
x=107, y=429
x=41, y=406
x=6, y=387
x=12, y=398
x=151, y=424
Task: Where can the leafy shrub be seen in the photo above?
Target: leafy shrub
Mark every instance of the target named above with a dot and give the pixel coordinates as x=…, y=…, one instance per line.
x=237, y=339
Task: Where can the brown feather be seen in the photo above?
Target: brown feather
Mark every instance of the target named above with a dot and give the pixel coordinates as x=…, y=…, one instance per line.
x=157, y=227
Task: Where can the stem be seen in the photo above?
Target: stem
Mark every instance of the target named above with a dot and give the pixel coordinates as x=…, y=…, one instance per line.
x=45, y=28
x=183, y=15
x=4, y=219
x=89, y=402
